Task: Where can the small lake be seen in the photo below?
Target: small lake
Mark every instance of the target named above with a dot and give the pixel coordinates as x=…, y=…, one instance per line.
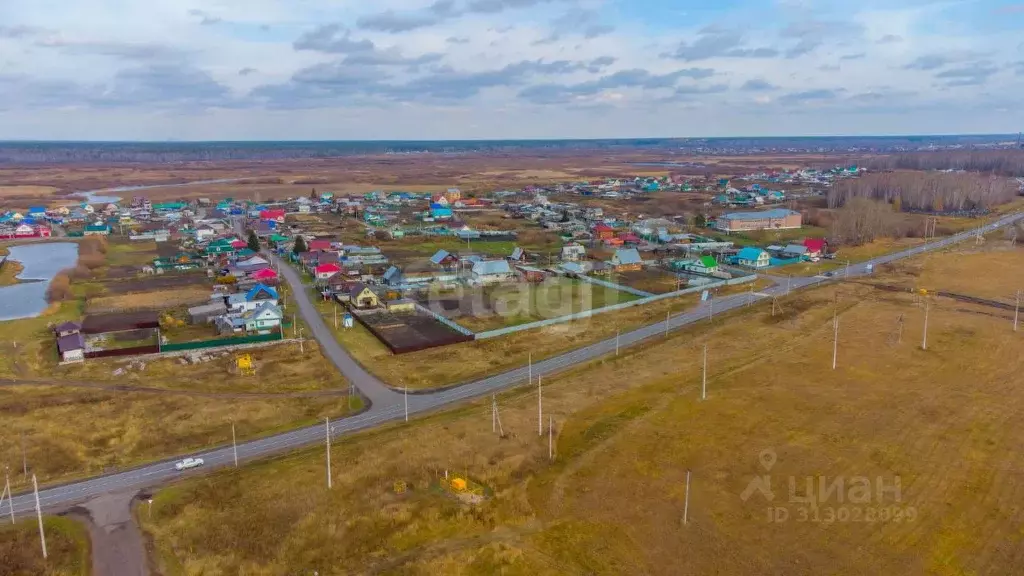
x=41, y=263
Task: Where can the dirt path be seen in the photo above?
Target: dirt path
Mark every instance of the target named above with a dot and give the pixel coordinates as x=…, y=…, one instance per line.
x=117, y=545
x=169, y=391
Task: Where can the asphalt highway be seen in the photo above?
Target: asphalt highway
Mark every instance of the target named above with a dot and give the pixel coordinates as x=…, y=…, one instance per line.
x=388, y=405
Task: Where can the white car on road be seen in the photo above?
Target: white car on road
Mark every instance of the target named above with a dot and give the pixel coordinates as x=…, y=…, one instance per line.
x=188, y=463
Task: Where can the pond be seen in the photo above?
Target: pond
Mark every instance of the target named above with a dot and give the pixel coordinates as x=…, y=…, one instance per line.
x=41, y=263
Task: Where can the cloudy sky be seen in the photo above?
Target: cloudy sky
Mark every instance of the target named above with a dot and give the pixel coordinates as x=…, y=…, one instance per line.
x=441, y=69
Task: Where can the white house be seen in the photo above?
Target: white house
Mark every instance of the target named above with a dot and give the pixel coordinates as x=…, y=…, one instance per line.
x=573, y=252
x=489, y=271
x=266, y=317
x=753, y=258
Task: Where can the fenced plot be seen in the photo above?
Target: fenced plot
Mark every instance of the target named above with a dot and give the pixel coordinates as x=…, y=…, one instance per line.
x=148, y=283
x=648, y=279
x=404, y=332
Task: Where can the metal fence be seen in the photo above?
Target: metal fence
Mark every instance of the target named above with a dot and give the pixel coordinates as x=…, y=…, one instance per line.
x=233, y=341
x=445, y=321
x=614, y=286
x=613, y=307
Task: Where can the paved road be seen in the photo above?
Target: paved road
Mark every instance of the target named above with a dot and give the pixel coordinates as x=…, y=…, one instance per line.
x=389, y=405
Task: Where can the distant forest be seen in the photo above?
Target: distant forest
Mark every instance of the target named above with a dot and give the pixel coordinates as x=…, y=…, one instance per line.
x=1001, y=162
x=163, y=152
x=928, y=191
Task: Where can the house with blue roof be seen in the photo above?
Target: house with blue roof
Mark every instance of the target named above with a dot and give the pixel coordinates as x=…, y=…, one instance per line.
x=256, y=296
x=444, y=259
x=440, y=212
x=626, y=259
x=39, y=211
x=491, y=271
x=753, y=257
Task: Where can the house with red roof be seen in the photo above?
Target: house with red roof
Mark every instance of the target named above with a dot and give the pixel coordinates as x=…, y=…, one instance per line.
x=263, y=275
x=604, y=232
x=276, y=215
x=816, y=247
x=238, y=244
x=325, y=271
x=319, y=244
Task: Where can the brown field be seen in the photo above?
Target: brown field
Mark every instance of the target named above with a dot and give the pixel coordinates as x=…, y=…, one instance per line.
x=153, y=300
x=67, y=547
x=27, y=191
x=627, y=430
x=90, y=421
x=9, y=272
x=985, y=272
x=650, y=280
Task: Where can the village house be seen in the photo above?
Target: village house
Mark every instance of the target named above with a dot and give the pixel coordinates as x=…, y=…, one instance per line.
x=361, y=296
x=776, y=219
x=573, y=252
x=625, y=259
x=325, y=271
x=251, y=299
x=491, y=271
x=794, y=251
x=70, y=344
x=753, y=257
x=444, y=259
x=703, y=265
x=266, y=317
x=603, y=232
x=393, y=277
x=206, y=313
x=530, y=273
x=816, y=247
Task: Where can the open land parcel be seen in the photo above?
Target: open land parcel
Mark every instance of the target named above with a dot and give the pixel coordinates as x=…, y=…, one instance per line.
x=628, y=429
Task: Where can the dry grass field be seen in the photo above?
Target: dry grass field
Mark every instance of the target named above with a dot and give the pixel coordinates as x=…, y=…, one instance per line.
x=67, y=547
x=459, y=363
x=985, y=272
x=154, y=300
x=939, y=422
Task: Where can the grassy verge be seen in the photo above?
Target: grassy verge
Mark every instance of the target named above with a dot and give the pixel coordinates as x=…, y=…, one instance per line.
x=9, y=272
x=626, y=432
x=67, y=546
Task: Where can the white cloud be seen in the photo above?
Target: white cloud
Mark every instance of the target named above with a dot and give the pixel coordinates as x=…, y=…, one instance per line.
x=497, y=68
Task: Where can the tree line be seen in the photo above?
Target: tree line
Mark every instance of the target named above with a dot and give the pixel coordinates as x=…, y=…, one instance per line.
x=998, y=162
x=935, y=192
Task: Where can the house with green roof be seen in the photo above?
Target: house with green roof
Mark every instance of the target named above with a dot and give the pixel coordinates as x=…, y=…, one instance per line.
x=169, y=206
x=702, y=265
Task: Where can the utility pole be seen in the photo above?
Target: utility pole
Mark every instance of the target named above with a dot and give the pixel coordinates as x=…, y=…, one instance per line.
x=295, y=327
x=668, y=315
x=924, y=337
x=711, y=307
x=835, y=338
x=405, y=397
x=496, y=416
x=616, y=341
x=327, y=436
x=39, y=516
x=1016, y=312
x=335, y=316
x=24, y=460
x=302, y=347
x=10, y=502
x=789, y=279
x=704, y=375
x=551, y=437
x=529, y=373
x=234, y=445
x=540, y=408
x=686, y=499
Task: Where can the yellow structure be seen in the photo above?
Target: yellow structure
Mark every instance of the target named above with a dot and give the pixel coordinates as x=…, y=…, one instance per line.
x=401, y=487
x=245, y=366
x=458, y=484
